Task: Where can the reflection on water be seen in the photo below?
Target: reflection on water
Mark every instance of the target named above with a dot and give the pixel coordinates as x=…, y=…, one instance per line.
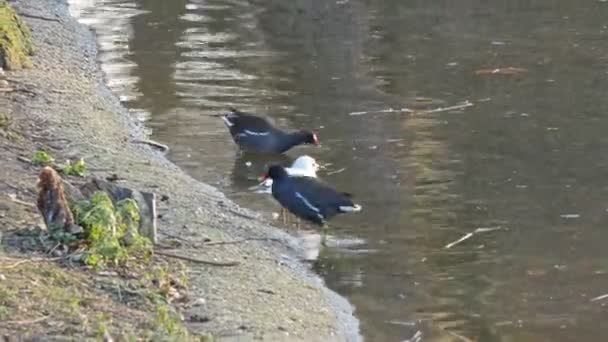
x=529, y=157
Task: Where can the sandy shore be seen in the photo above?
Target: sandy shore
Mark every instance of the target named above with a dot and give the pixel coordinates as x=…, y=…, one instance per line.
x=62, y=105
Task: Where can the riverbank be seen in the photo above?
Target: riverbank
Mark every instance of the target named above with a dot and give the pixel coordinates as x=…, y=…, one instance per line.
x=61, y=105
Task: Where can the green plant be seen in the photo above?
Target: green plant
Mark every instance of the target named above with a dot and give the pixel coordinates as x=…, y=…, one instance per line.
x=42, y=158
x=169, y=325
x=79, y=168
x=111, y=232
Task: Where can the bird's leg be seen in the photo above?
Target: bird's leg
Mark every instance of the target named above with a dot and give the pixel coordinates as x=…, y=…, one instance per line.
x=297, y=223
x=284, y=216
x=324, y=235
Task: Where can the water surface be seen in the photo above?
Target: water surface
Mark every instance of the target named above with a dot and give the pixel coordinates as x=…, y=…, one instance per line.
x=529, y=159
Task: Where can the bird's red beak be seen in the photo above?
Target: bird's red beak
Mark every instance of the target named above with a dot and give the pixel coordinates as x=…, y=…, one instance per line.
x=315, y=138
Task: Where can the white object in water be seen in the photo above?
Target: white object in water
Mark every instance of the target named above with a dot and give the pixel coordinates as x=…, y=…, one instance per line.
x=304, y=166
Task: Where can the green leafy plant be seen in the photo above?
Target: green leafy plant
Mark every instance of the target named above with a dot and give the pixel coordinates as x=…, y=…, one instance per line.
x=42, y=158
x=79, y=168
x=111, y=232
x=168, y=325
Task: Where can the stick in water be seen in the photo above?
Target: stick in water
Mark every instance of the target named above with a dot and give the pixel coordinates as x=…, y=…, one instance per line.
x=469, y=235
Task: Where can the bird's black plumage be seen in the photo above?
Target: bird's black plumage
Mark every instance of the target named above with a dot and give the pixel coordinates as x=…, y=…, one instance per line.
x=307, y=197
x=257, y=134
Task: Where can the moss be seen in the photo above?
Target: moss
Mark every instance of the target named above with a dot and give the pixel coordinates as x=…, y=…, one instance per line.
x=79, y=168
x=15, y=40
x=42, y=158
x=110, y=232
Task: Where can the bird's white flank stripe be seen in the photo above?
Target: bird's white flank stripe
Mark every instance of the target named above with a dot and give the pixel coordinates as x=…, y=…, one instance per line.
x=255, y=133
x=348, y=208
x=308, y=204
x=227, y=121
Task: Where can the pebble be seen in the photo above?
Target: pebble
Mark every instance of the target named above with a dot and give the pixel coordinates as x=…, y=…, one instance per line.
x=2, y=277
x=199, y=301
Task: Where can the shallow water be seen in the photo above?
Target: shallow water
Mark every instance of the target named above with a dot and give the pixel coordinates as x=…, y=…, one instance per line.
x=529, y=158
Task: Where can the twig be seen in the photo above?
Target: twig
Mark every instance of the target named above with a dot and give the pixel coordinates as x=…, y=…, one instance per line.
x=242, y=215
x=152, y=143
x=199, y=261
x=447, y=109
x=18, y=201
x=452, y=244
x=32, y=260
x=595, y=299
x=337, y=171
x=231, y=242
x=33, y=16
x=30, y=321
x=469, y=235
x=390, y=110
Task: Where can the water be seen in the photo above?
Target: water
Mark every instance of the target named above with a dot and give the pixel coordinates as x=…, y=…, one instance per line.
x=530, y=158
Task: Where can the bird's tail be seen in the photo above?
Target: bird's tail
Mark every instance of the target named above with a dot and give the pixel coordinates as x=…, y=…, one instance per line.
x=350, y=208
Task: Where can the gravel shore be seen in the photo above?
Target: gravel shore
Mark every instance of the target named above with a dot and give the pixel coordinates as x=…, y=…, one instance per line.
x=62, y=105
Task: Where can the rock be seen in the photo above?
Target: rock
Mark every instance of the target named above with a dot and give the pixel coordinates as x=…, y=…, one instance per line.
x=75, y=229
x=199, y=301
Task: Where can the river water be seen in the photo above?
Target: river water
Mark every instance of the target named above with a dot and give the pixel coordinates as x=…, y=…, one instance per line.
x=524, y=167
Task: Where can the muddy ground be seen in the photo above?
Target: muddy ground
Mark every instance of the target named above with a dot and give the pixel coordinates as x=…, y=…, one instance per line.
x=61, y=106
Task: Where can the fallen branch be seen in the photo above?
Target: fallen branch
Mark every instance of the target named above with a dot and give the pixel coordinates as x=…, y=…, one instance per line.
x=469, y=235
x=18, y=201
x=33, y=16
x=199, y=261
x=13, y=265
x=162, y=147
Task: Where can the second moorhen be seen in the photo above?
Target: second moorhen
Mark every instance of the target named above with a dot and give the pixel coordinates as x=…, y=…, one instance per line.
x=257, y=134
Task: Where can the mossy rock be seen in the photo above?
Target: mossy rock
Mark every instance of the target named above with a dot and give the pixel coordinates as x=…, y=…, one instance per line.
x=15, y=40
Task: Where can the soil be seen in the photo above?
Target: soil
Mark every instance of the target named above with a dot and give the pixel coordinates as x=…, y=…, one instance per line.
x=61, y=106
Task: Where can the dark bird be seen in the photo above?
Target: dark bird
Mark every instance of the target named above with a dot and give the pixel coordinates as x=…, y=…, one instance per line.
x=307, y=197
x=256, y=134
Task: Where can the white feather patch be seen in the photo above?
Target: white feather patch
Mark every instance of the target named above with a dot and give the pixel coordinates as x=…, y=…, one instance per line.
x=227, y=121
x=308, y=204
x=255, y=133
x=349, y=209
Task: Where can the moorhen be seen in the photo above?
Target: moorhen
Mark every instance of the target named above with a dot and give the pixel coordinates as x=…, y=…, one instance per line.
x=256, y=134
x=307, y=197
